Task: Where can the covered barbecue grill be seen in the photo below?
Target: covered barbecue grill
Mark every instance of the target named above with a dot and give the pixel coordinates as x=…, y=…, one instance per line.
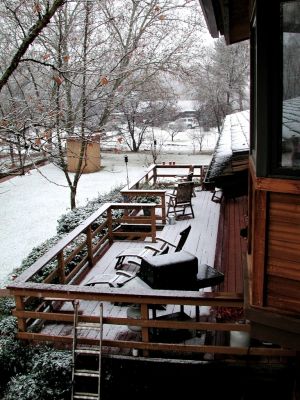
x=178, y=271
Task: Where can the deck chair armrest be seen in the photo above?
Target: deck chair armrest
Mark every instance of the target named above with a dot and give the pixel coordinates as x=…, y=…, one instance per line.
x=165, y=241
x=154, y=249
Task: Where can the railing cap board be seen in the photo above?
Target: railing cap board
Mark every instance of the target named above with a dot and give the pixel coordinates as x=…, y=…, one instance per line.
x=61, y=244
x=5, y=293
x=142, y=296
x=132, y=205
x=153, y=167
x=65, y=241
x=143, y=191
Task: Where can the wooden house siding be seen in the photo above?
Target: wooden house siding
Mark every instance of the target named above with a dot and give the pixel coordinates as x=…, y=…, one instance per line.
x=283, y=252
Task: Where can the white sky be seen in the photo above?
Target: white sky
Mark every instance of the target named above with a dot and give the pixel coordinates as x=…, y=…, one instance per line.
x=30, y=205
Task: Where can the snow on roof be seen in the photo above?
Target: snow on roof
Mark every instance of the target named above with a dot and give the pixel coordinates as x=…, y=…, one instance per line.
x=291, y=118
x=234, y=138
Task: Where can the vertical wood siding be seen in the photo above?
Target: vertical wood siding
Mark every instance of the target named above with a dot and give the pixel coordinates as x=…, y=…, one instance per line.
x=283, y=252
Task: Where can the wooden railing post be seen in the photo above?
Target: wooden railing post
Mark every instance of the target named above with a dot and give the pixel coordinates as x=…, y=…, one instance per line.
x=153, y=224
x=145, y=330
x=61, y=267
x=109, y=225
x=154, y=175
x=126, y=199
x=20, y=307
x=163, y=208
x=89, y=243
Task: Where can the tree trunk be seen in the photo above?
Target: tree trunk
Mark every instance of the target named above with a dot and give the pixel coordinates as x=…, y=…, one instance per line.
x=73, y=190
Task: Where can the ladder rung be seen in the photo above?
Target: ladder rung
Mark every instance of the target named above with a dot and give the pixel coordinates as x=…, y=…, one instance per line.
x=87, y=372
x=88, y=325
x=82, y=395
x=88, y=351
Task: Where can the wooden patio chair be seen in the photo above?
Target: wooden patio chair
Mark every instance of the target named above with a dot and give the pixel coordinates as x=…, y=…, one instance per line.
x=164, y=248
x=181, y=200
x=187, y=178
x=217, y=195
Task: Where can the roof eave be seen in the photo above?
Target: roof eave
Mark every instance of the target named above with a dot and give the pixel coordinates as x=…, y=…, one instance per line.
x=229, y=18
x=210, y=18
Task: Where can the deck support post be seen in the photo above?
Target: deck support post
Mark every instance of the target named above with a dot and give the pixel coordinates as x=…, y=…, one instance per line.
x=20, y=307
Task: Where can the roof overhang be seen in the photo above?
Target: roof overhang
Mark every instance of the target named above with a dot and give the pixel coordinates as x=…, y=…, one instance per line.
x=230, y=18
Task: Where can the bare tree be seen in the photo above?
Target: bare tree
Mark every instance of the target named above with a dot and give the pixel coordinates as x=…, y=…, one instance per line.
x=198, y=135
x=86, y=64
x=222, y=79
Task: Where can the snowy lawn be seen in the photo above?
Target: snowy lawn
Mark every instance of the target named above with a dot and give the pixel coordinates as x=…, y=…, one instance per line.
x=30, y=205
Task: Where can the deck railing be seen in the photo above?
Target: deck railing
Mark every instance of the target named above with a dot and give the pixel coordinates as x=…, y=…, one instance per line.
x=170, y=171
x=146, y=298
x=55, y=276
x=72, y=256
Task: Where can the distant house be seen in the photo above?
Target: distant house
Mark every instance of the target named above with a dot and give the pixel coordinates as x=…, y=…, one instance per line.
x=185, y=116
x=187, y=108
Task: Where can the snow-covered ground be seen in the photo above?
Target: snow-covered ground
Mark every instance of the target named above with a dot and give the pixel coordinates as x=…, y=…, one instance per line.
x=186, y=141
x=30, y=205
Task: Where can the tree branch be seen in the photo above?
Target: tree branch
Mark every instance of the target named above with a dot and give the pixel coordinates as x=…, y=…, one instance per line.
x=32, y=34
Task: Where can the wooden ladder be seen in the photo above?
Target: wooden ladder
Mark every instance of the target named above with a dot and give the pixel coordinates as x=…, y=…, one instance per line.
x=86, y=355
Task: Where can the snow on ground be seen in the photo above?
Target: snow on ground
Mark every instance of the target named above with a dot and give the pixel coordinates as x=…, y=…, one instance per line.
x=30, y=205
x=184, y=142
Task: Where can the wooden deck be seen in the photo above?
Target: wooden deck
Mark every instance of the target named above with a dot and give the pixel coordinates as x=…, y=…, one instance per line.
x=44, y=308
x=201, y=242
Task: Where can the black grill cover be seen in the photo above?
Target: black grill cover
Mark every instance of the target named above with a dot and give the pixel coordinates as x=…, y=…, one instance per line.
x=177, y=271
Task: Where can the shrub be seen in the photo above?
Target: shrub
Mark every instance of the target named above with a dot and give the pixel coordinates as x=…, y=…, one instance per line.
x=8, y=326
x=69, y=221
x=36, y=253
x=54, y=369
x=6, y=305
x=24, y=387
x=13, y=356
x=36, y=372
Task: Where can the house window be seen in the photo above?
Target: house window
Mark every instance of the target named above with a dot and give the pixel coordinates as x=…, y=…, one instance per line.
x=290, y=44
x=253, y=130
